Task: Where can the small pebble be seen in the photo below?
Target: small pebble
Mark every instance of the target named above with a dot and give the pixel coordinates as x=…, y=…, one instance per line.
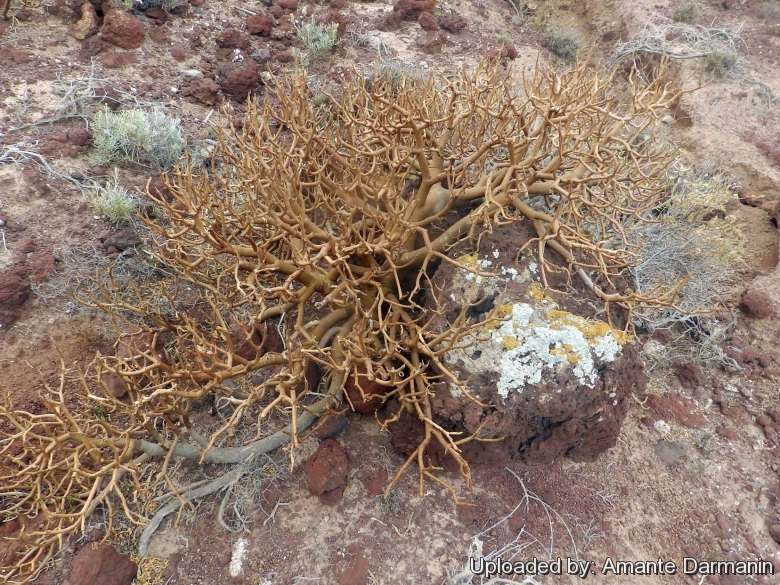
x=192, y=74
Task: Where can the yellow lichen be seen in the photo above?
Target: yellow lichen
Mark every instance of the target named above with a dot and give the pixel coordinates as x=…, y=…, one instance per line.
x=535, y=292
x=591, y=330
x=509, y=342
x=469, y=260
x=504, y=310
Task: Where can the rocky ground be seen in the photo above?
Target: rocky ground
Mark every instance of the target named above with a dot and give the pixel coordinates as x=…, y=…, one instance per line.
x=694, y=470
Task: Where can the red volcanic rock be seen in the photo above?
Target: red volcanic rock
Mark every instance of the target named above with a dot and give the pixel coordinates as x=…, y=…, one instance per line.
x=430, y=42
x=428, y=21
x=756, y=304
x=203, y=90
x=453, y=23
x=689, y=374
x=179, y=52
x=411, y=9
x=102, y=565
x=231, y=38
x=78, y=136
x=371, y=398
x=122, y=29
x=288, y=5
x=326, y=471
x=132, y=346
x=259, y=24
x=238, y=79
x=14, y=291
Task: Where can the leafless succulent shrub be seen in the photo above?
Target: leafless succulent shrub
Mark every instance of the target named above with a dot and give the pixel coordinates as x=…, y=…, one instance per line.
x=291, y=266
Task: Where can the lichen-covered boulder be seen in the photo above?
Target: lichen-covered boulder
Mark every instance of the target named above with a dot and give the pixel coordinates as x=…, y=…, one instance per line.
x=555, y=383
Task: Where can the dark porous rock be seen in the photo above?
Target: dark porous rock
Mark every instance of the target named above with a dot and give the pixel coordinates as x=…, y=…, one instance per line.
x=25, y=246
x=157, y=13
x=756, y=304
x=122, y=29
x=231, y=38
x=689, y=374
x=453, y=23
x=24, y=15
x=103, y=565
x=91, y=47
x=14, y=291
x=276, y=11
x=259, y=24
x=411, y=9
x=375, y=481
x=509, y=51
x=430, y=42
x=261, y=56
x=506, y=52
x=78, y=136
x=160, y=35
x=41, y=267
x=354, y=569
x=133, y=346
x=774, y=532
x=203, y=90
x=327, y=470
x=239, y=79
x=181, y=9
x=288, y=5
x=672, y=407
x=334, y=16
x=122, y=239
x=544, y=409
x=179, y=52
x=364, y=395
x=428, y=21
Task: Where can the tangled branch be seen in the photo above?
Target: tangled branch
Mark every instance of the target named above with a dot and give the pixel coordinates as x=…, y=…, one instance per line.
x=293, y=267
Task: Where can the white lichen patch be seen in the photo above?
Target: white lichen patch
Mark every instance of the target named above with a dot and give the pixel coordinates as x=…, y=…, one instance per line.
x=536, y=339
x=237, y=559
x=530, y=340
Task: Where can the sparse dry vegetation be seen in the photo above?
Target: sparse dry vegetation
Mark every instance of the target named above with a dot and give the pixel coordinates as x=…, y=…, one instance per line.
x=148, y=138
x=114, y=202
x=693, y=240
x=302, y=250
x=562, y=42
x=720, y=62
x=318, y=39
x=687, y=13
